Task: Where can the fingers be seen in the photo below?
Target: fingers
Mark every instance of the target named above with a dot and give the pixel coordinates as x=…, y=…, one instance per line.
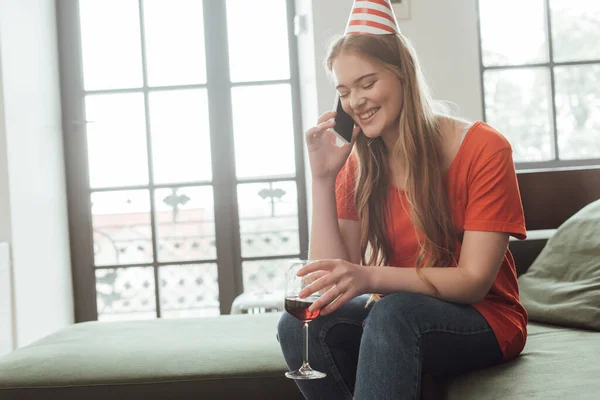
x=326, y=298
x=317, y=131
x=323, y=126
x=325, y=121
x=337, y=303
x=320, y=284
x=312, y=277
x=326, y=116
x=333, y=299
x=325, y=265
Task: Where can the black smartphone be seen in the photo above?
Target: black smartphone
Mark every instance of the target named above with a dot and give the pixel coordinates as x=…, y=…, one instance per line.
x=344, y=124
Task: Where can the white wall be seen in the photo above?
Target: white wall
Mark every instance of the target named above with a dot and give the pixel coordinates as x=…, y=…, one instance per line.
x=7, y=333
x=31, y=148
x=444, y=33
x=4, y=198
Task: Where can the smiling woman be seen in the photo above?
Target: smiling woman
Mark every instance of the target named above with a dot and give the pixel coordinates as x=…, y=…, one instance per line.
x=416, y=212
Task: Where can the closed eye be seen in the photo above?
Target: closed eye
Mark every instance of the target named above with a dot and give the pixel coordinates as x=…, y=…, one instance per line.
x=370, y=85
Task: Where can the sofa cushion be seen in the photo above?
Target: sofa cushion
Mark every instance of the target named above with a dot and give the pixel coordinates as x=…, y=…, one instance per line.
x=557, y=363
x=231, y=356
x=562, y=286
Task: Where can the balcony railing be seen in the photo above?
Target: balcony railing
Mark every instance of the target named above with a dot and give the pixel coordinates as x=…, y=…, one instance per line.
x=188, y=289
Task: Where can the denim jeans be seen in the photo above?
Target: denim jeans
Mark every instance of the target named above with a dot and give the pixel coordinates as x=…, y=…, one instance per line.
x=381, y=352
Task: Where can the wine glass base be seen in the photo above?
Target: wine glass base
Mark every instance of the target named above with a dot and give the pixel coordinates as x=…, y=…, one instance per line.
x=305, y=374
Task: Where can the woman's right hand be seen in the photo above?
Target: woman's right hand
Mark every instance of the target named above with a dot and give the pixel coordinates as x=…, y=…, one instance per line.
x=325, y=156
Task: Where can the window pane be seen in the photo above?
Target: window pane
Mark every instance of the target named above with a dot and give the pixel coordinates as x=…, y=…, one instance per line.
x=258, y=40
x=189, y=291
x=263, y=131
x=111, y=44
x=116, y=136
x=264, y=275
x=121, y=224
x=517, y=103
x=125, y=294
x=180, y=136
x=268, y=218
x=575, y=29
x=185, y=224
x=174, y=33
x=577, y=104
x=513, y=32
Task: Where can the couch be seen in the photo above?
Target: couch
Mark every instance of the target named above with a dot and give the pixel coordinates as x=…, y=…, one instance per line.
x=238, y=357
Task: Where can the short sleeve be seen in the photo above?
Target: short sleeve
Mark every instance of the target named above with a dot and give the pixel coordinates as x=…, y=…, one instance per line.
x=344, y=191
x=494, y=202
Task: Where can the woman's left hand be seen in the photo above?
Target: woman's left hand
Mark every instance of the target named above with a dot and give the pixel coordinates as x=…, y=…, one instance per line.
x=340, y=280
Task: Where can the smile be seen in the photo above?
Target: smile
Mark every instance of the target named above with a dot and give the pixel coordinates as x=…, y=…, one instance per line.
x=367, y=115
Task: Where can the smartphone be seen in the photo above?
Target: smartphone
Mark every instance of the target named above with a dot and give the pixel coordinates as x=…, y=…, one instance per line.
x=344, y=124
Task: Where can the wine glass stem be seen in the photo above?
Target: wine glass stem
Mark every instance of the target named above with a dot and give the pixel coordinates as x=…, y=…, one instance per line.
x=305, y=360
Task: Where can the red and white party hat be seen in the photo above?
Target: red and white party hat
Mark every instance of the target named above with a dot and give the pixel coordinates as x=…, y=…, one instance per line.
x=375, y=17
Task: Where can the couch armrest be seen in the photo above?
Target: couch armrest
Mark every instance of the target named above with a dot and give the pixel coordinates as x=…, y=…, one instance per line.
x=526, y=251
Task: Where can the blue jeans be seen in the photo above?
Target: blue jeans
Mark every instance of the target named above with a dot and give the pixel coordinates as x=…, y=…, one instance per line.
x=381, y=352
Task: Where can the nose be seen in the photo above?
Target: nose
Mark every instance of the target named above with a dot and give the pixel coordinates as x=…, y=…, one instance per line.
x=357, y=101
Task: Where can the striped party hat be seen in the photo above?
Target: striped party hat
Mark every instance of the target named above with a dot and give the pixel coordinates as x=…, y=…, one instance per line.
x=375, y=17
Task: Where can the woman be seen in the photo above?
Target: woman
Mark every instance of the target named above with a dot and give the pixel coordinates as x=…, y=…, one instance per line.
x=417, y=210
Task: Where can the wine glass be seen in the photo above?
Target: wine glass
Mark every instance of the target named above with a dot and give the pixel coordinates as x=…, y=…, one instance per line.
x=298, y=308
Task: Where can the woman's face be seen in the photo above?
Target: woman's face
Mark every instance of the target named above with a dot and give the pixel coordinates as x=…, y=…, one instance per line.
x=371, y=94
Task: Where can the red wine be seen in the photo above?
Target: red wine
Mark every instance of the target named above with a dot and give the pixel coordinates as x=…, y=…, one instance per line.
x=299, y=308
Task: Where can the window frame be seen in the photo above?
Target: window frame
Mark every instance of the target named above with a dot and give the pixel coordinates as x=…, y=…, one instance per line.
x=224, y=182
x=556, y=162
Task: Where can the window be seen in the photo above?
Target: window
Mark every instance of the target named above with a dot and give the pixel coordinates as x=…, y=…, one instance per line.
x=540, y=61
x=183, y=151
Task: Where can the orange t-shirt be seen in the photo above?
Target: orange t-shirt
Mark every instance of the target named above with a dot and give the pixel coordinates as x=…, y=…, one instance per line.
x=484, y=196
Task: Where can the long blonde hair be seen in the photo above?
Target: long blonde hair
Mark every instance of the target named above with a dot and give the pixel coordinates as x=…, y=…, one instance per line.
x=419, y=147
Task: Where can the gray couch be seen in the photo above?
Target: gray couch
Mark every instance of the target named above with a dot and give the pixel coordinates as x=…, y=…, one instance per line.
x=226, y=357
x=238, y=356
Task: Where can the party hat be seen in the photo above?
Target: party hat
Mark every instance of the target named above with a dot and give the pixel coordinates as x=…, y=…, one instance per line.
x=375, y=17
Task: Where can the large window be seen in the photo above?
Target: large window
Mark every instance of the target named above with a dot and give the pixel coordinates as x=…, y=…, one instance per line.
x=541, y=68
x=183, y=153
